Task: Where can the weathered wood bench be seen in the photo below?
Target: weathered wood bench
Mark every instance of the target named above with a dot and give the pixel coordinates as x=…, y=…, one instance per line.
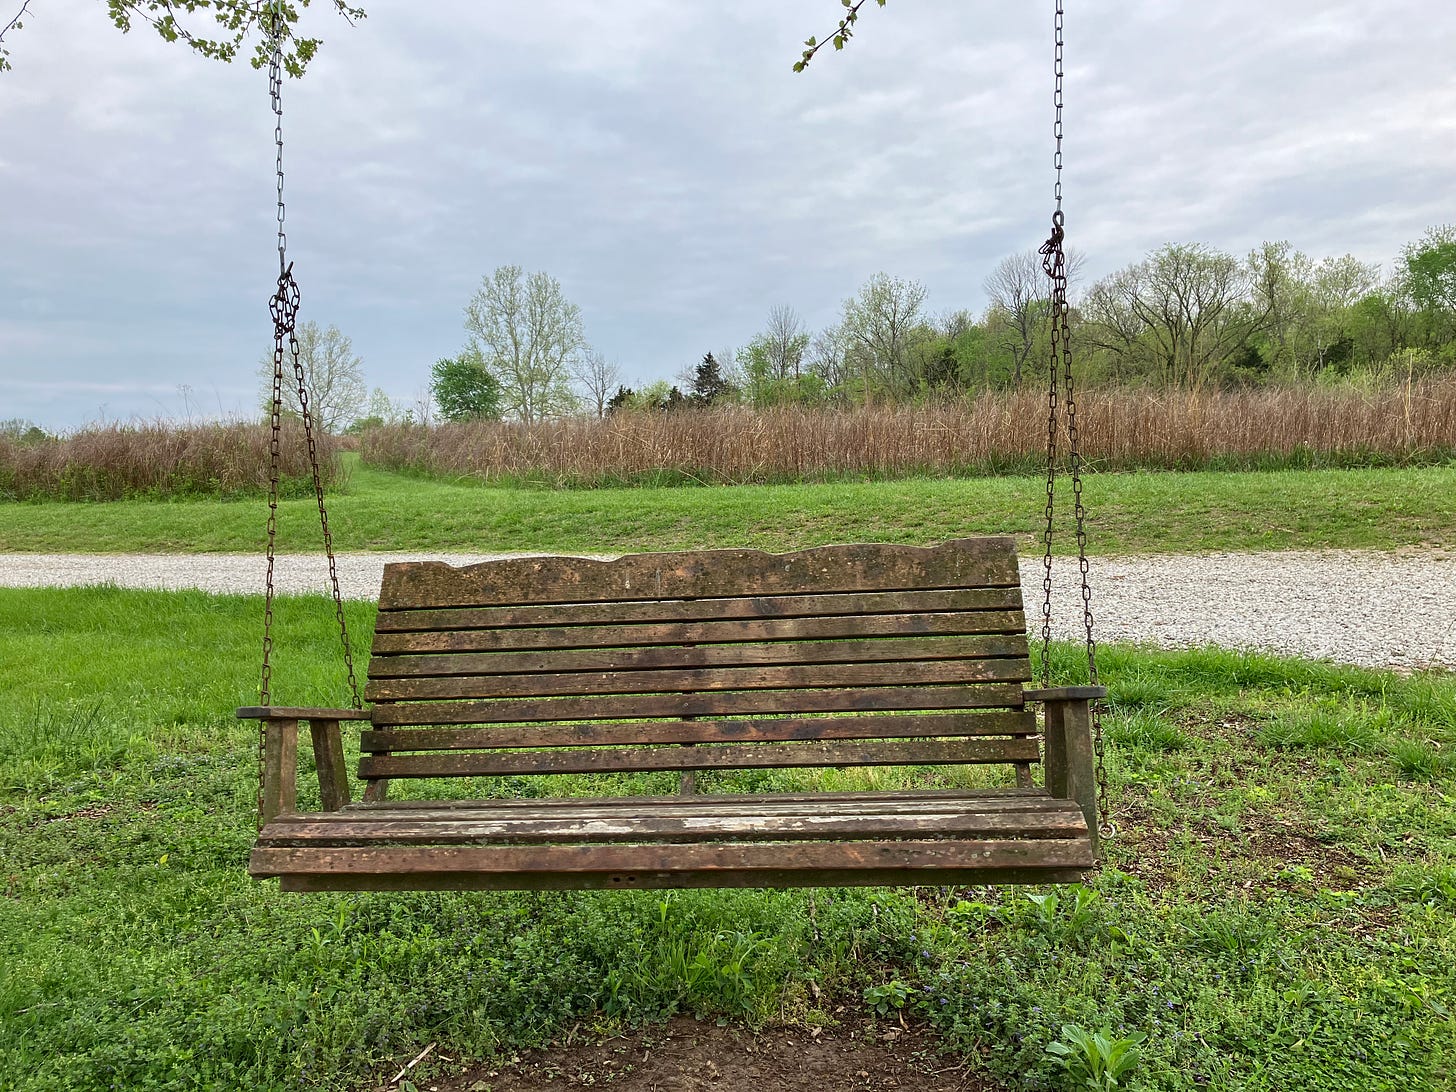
x=723, y=660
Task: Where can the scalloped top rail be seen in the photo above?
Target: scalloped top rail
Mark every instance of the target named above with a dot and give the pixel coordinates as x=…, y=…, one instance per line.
x=973, y=562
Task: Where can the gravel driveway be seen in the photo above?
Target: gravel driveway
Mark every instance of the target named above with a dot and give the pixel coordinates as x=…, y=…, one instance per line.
x=1361, y=607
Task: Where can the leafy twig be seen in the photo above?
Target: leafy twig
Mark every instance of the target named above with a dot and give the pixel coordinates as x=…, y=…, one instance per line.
x=841, y=34
x=237, y=19
x=14, y=24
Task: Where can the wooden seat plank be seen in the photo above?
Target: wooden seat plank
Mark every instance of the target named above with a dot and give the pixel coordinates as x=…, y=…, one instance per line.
x=853, y=875
x=704, y=857
x=556, y=809
x=1064, y=822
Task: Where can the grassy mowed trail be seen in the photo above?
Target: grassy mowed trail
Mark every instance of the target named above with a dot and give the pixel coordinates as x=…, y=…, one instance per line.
x=1278, y=912
x=1130, y=513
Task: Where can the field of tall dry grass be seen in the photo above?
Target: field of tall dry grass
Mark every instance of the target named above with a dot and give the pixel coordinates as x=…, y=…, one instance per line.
x=1120, y=429
x=995, y=433
x=161, y=460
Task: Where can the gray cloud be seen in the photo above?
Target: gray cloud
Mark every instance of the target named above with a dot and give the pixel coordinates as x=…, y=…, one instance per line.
x=662, y=160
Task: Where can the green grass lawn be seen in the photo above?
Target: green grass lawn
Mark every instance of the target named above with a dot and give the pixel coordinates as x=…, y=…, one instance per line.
x=1131, y=513
x=1278, y=911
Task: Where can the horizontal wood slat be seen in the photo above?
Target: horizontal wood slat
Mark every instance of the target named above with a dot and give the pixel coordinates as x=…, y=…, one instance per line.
x=732, y=704
x=928, y=856
x=710, y=731
x=787, y=653
x=660, y=879
x=556, y=808
x=727, y=757
x=744, y=605
x=700, y=680
x=977, y=562
x=645, y=635
x=1066, y=822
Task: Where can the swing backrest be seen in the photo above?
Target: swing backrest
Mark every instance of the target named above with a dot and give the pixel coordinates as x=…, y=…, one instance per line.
x=857, y=655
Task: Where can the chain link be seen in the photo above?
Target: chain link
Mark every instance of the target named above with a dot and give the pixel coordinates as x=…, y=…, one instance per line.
x=283, y=308
x=1054, y=264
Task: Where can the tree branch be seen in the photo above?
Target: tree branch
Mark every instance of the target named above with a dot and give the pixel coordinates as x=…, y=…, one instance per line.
x=841, y=35
x=14, y=24
x=237, y=19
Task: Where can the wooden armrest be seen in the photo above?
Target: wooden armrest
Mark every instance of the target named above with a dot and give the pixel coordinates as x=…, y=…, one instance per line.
x=1066, y=693
x=1069, y=759
x=289, y=712
x=280, y=755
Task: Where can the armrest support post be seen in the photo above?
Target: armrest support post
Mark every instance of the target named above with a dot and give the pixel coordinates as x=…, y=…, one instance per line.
x=280, y=755
x=280, y=768
x=1070, y=761
x=1054, y=748
x=328, y=756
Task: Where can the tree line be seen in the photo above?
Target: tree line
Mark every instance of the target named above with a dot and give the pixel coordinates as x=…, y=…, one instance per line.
x=1185, y=316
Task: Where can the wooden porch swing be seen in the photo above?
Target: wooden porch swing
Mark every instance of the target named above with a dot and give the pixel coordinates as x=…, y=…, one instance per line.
x=700, y=661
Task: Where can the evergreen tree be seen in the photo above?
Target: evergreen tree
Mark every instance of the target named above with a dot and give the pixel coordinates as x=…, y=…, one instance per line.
x=708, y=384
x=621, y=400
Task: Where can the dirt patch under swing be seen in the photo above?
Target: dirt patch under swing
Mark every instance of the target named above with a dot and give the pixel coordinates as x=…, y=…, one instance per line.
x=686, y=1055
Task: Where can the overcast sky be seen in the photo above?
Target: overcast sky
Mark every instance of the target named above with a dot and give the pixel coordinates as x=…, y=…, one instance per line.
x=661, y=159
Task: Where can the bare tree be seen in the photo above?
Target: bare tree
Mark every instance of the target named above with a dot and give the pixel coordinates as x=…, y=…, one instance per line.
x=337, y=393
x=1337, y=284
x=881, y=327
x=1188, y=307
x=1018, y=289
x=1342, y=282
x=423, y=408
x=528, y=334
x=727, y=358
x=598, y=378
x=786, y=340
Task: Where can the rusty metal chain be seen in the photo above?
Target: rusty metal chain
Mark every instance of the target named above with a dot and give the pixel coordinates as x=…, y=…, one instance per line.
x=283, y=308
x=1054, y=264
x=1052, y=377
x=318, y=492
x=1051, y=489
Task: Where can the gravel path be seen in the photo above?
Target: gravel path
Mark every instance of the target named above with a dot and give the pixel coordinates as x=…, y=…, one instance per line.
x=1361, y=607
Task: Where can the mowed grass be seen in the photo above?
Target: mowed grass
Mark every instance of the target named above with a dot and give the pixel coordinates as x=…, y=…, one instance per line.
x=1130, y=513
x=1278, y=910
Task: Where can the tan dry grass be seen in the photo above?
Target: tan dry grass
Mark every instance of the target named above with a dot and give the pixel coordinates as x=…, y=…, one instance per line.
x=111, y=462
x=1119, y=428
